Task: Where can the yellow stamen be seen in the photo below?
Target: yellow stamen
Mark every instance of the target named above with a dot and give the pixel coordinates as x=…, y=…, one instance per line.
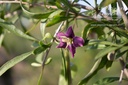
x=69, y=41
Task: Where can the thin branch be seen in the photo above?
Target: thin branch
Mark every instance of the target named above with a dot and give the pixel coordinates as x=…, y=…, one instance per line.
x=47, y=51
x=90, y=8
x=124, y=16
x=123, y=71
x=26, y=3
x=124, y=67
x=105, y=16
x=13, y=2
x=121, y=76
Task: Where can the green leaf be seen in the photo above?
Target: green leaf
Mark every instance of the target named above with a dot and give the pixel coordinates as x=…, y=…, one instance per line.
x=10, y=27
x=56, y=17
x=36, y=15
x=56, y=20
x=48, y=61
x=14, y=61
x=41, y=48
x=106, y=81
x=114, y=10
x=55, y=13
x=62, y=77
x=106, y=51
x=86, y=31
x=99, y=64
x=100, y=42
x=68, y=5
x=108, y=65
x=73, y=70
x=121, y=54
x=42, y=27
x=34, y=64
x=105, y=3
x=47, y=35
x=120, y=31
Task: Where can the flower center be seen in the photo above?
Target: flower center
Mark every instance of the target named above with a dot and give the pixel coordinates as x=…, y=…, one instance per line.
x=69, y=41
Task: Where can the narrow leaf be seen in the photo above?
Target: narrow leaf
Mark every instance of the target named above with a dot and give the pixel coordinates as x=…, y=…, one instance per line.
x=36, y=15
x=105, y=3
x=105, y=51
x=41, y=48
x=106, y=81
x=108, y=65
x=114, y=10
x=56, y=17
x=68, y=5
x=86, y=31
x=1, y=39
x=102, y=42
x=99, y=64
x=10, y=27
x=13, y=62
x=56, y=20
x=42, y=27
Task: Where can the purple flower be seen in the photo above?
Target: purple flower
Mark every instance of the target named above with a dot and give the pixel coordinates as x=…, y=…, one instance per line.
x=69, y=40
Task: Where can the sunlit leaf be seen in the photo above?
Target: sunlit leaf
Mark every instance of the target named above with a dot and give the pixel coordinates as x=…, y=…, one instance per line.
x=56, y=17
x=56, y=20
x=86, y=31
x=99, y=64
x=120, y=32
x=1, y=39
x=105, y=3
x=48, y=61
x=36, y=15
x=106, y=51
x=14, y=61
x=100, y=42
x=73, y=70
x=42, y=27
x=47, y=35
x=10, y=27
x=106, y=81
x=62, y=80
x=36, y=64
x=122, y=52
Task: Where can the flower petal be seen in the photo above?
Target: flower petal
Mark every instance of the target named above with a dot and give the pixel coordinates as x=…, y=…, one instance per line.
x=62, y=45
x=78, y=41
x=69, y=32
x=72, y=49
x=60, y=34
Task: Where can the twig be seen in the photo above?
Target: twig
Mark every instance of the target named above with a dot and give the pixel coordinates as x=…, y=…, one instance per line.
x=121, y=76
x=124, y=16
x=13, y=2
x=123, y=71
x=26, y=3
x=90, y=8
x=47, y=52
